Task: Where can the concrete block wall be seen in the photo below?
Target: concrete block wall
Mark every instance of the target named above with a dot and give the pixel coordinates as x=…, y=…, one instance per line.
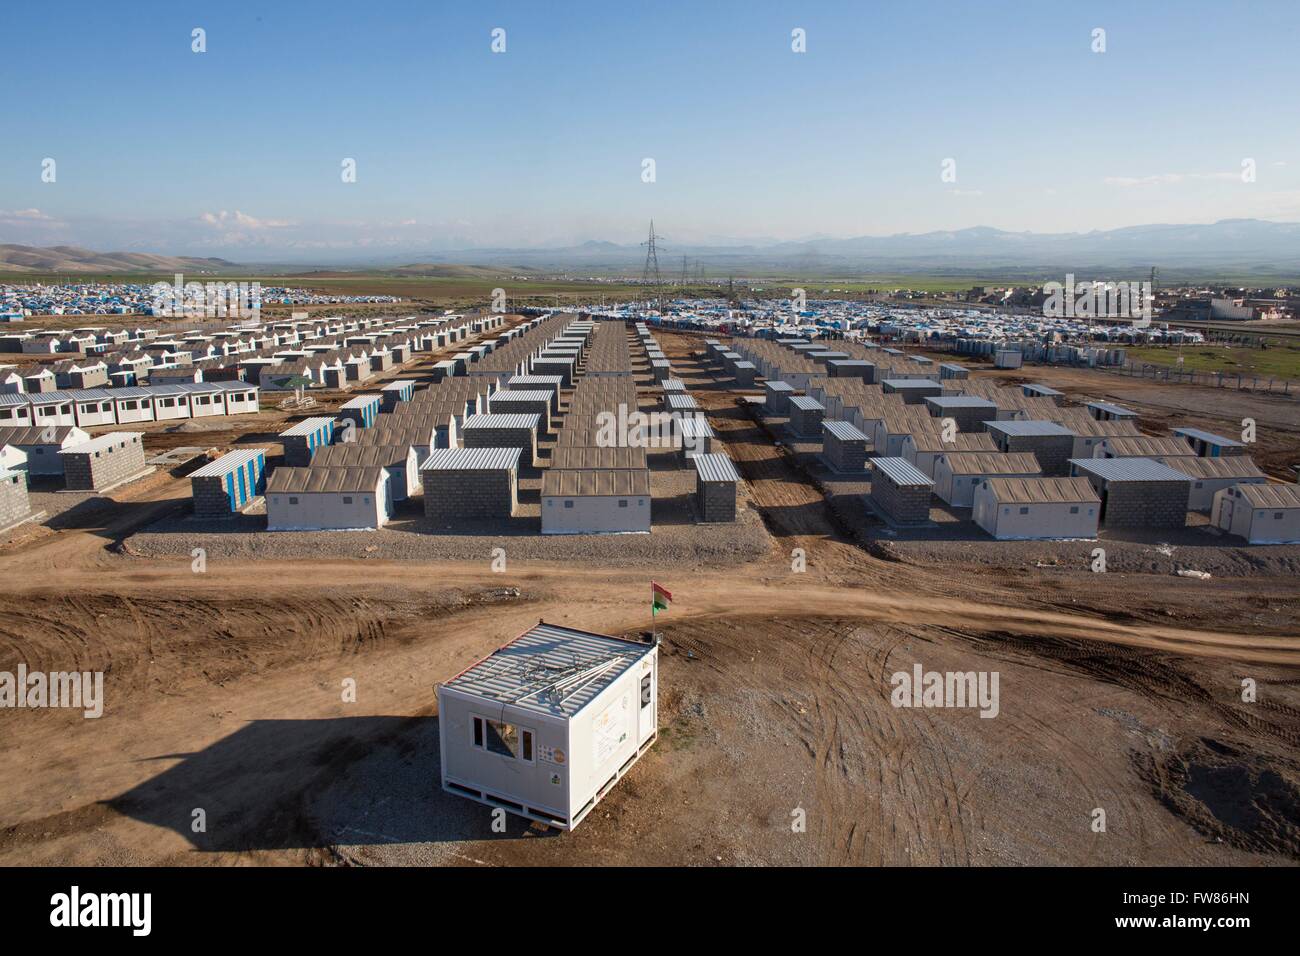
x=1052, y=451
x=477, y=493
x=95, y=470
x=902, y=504
x=715, y=500
x=210, y=496
x=1146, y=504
x=541, y=408
x=297, y=452
x=806, y=422
x=14, y=503
x=525, y=438
x=846, y=457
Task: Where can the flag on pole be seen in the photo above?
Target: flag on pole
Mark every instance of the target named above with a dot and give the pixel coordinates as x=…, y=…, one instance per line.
x=660, y=597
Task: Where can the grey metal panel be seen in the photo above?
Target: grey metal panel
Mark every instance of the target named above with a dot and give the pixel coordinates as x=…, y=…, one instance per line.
x=521, y=672
x=472, y=459
x=1128, y=469
x=1029, y=428
x=500, y=420
x=844, y=431
x=715, y=467
x=901, y=471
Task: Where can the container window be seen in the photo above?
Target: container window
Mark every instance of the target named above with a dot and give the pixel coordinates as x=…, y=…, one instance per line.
x=646, y=695
x=478, y=731
x=502, y=738
x=347, y=499
x=527, y=752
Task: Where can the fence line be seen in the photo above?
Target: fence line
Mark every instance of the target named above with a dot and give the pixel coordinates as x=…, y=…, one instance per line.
x=1236, y=381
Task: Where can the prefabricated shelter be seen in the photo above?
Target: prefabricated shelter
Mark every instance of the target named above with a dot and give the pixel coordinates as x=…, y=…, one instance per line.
x=900, y=491
x=396, y=392
x=300, y=441
x=777, y=395
x=496, y=430
x=958, y=474
x=13, y=458
x=400, y=462
x=1106, y=412
x=1167, y=450
x=914, y=391
x=1038, y=390
x=852, y=368
x=968, y=412
x=1008, y=358
x=1211, y=475
x=15, y=411
x=844, y=447
x=327, y=499
x=1052, y=444
x=227, y=485
x=510, y=401
x=694, y=433
x=42, y=445
x=716, y=480
x=1209, y=445
x=104, y=462
x=475, y=483
x=806, y=416
x=595, y=501
x=1262, y=514
x=1136, y=492
x=362, y=410
x=546, y=725
x=1014, y=509
x=921, y=448
x=15, y=506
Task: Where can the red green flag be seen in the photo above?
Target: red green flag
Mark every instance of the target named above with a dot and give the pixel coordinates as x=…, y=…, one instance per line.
x=660, y=597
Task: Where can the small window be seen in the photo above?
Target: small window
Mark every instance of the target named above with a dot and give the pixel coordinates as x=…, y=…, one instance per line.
x=645, y=691
x=1074, y=509
x=1024, y=511
x=622, y=502
x=293, y=501
x=527, y=746
x=478, y=731
x=347, y=499
x=502, y=738
x=1277, y=516
x=568, y=504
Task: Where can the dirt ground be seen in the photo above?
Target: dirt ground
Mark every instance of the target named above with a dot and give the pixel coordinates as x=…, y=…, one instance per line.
x=1121, y=698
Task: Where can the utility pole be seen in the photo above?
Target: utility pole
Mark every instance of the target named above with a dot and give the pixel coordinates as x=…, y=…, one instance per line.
x=650, y=273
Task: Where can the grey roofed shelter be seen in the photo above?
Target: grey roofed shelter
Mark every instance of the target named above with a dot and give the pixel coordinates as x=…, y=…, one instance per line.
x=1137, y=492
x=716, y=479
x=844, y=447
x=547, y=724
x=590, y=456
x=900, y=491
x=476, y=483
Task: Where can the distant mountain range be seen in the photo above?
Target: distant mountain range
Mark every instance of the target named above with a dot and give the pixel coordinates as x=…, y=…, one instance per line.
x=1243, y=245
x=75, y=259
x=1240, y=247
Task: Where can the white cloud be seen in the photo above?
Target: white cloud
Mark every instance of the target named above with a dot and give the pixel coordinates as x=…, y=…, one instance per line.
x=1164, y=179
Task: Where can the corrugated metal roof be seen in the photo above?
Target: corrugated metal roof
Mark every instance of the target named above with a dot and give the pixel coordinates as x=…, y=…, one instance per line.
x=806, y=404
x=472, y=459
x=111, y=440
x=899, y=384
x=1028, y=428
x=306, y=426
x=932, y=441
x=362, y=401
x=572, y=483
x=681, y=402
x=694, y=427
x=1210, y=437
x=992, y=463
x=779, y=386
x=502, y=420
x=521, y=395
x=230, y=461
x=1271, y=496
x=844, y=431
x=579, y=457
x=398, y=384
x=1229, y=466
x=1111, y=409
x=1128, y=469
x=961, y=401
x=323, y=480
x=1034, y=490
x=525, y=671
x=37, y=434
x=715, y=467
x=353, y=455
x=901, y=472
x=1144, y=446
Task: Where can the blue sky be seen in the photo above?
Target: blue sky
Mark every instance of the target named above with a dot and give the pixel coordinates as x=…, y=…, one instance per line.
x=237, y=151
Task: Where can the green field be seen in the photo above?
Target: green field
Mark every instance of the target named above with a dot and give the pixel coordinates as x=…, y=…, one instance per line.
x=1264, y=363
